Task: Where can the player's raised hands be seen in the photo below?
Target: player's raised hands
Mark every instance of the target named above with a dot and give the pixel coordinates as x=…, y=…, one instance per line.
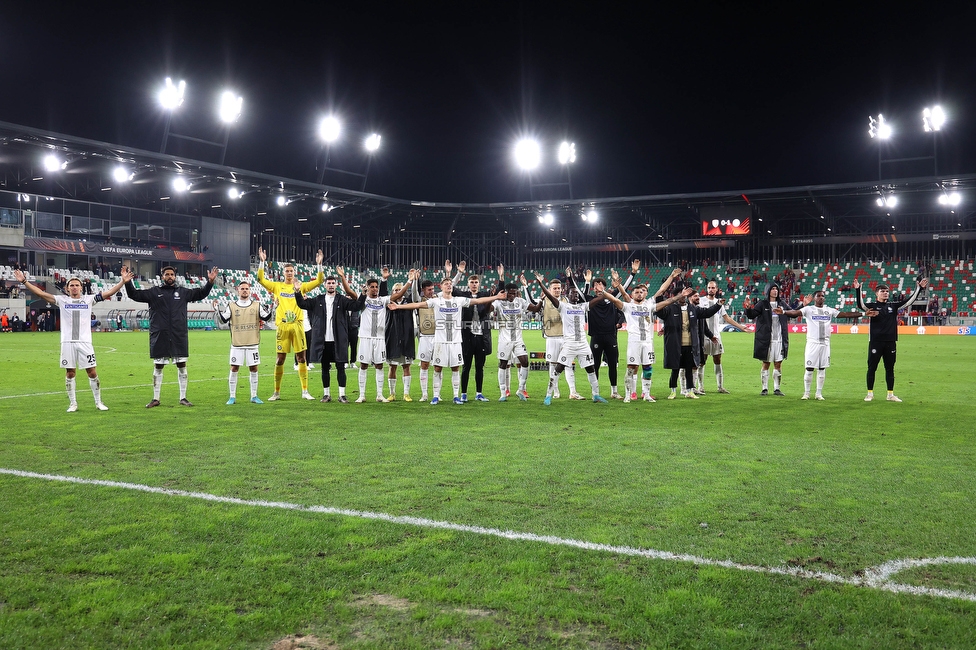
x=924, y=282
x=215, y=305
x=635, y=266
x=569, y=272
x=319, y=256
x=676, y=272
x=501, y=271
x=385, y=272
x=588, y=275
x=340, y=271
x=21, y=277
x=127, y=274
x=522, y=279
x=807, y=299
x=462, y=266
x=747, y=303
x=856, y=284
x=614, y=278
x=262, y=255
x=538, y=276
x=212, y=276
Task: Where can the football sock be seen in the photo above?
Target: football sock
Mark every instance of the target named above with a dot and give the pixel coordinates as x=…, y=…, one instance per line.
x=232, y=383
x=719, y=376
x=438, y=380
x=254, y=383
x=96, y=388
x=379, y=382
x=807, y=381
x=303, y=375
x=777, y=374
x=571, y=379
x=821, y=376
x=406, y=384
x=523, y=377
x=456, y=382
x=630, y=382
x=502, y=379
x=69, y=385
x=764, y=376
x=362, y=382
x=594, y=382
x=279, y=372
x=553, y=378
x=392, y=383
x=681, y=379
x=183, y=381
x=646, y=383
x=157, y=382
x=423, y=381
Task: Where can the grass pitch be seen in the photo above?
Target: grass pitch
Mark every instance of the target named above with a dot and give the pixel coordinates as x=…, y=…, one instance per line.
x=832, y=487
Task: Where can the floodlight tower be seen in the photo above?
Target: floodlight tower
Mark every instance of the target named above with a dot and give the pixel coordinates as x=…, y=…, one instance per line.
x=880, y=130
x=170, y=98
x=228, y=111
x=932, y=121
x=329, y=131
x=528, y=157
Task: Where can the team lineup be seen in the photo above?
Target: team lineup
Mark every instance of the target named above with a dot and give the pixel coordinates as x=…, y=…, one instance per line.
x=443, y=326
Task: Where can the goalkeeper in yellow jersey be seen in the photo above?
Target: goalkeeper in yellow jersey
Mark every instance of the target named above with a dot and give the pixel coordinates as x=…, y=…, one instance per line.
x=288, y=319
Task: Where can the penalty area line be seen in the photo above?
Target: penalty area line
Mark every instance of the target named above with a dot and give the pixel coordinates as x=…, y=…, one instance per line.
x=877, y=577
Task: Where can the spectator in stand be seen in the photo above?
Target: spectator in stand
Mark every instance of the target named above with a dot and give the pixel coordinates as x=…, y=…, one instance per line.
x=730, y=286
x=933, y=310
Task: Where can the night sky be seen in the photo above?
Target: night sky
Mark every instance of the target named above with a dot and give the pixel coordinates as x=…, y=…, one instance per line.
x=699, y=98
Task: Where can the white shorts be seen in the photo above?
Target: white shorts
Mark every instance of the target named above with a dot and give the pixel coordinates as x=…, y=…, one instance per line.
x=249, y=356
x=77, y=354
x=576, y=351
x=426, y=351
x=447, y=355
x=511, y=348
x=775, y=351
x=372, y=351
x=711, y=349
x=165, y=361
x=400, y=361
x=640, y=353
x=554, y=345
x=817, y=356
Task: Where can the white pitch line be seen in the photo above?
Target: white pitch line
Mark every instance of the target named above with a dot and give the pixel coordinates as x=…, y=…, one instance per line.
x=874, y=577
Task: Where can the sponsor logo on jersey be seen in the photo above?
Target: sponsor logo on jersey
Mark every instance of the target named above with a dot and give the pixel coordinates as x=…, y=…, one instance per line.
x=76, y=305
x=448, y=310
x=287, y=294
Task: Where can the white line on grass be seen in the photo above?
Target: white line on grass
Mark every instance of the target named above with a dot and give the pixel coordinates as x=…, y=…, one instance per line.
x=877, y=577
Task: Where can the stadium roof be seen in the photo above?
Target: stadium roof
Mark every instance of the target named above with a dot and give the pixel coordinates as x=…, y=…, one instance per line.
x=87, y=167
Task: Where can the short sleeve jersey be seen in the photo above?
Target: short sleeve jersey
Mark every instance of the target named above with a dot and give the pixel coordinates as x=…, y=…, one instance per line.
x=640, y=319
x=447, y=318
x=574, y=321
x=510, y=315
x=373, y=322
x=818, y=323
x=76, y=317
x=714, y=321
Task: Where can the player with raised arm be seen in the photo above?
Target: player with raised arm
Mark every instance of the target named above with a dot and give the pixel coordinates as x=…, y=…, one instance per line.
x=639, y=310
x=476, y=332
x=401, y=348
x=772, y=340
x=575, y=346
x=244, y=317
x=169, y=338
x=713, y=346
x=510, y=313
x=883, y=341
x=289, y=322
x=552, y=331
x=77, y=350
x=425, y=331
x=447, y=310
x=819, y=325
x=372, y=331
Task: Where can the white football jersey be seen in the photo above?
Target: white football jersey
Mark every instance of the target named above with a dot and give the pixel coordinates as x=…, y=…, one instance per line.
x=510, y=315
x=819, y=323
x=574, y=321
x=447, y=318
x=372, y=324
x=715, y=321
x=76, y=317
x=640, y=319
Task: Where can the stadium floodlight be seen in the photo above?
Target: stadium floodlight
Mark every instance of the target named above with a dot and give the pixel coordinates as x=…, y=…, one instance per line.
x=372, y=143
x=548, y=219
x=229, y=108
x=330, y=128
x=933, y=118
x=121, y=174
x=171, y=96
x=879, y=128
x=952, y=198
x=567, y=153
x=281, y=200
x=325, y=206
x=234, y=193
x=527, y=154
x=591, y=215
x=180, y=184
x=52, y=163
x=889, y=200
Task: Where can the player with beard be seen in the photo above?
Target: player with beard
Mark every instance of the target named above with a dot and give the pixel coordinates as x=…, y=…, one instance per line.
x=425, y=331
x=552, y=331
x=713, y=346
x=168, y=329
x=682, y=338
x=476, y=335
x=244, y=316
x=401, y=347
x=510, y=314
